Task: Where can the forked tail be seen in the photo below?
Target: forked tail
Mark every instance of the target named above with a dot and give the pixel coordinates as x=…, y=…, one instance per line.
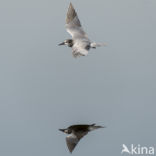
x=94, y=45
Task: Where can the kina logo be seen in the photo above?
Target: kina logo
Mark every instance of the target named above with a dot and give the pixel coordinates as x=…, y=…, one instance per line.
x=138, y=150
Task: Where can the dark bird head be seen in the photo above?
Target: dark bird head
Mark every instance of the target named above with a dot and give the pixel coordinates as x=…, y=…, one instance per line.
x=68, y=42
x=67, y=131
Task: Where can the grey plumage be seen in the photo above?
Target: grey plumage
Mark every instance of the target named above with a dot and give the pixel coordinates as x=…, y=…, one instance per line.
x=71, y=14
x=81, y=44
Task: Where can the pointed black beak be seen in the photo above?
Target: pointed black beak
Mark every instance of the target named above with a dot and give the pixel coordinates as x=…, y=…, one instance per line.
x=61, y=43
x=62, y=130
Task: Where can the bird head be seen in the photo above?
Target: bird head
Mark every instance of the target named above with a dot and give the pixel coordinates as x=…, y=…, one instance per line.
x=67, y=131
x=68, y=42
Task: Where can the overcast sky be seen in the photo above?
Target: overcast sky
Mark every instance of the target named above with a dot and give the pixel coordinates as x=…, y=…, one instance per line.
x=43, y=88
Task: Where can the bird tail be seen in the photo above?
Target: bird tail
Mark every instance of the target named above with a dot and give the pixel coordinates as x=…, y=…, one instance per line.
x=94, y=45
x=93, y=127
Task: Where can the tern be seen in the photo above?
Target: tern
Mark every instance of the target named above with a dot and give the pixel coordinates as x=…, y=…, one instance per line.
x=80, y=43
x=76, y=132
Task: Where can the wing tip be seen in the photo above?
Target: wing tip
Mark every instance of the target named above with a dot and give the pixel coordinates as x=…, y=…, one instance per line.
x=71, y=13
x=71, y=6
x=70, y=151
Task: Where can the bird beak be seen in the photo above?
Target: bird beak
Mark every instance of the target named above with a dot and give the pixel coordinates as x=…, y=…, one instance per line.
x=61, y=43
x=62, y=130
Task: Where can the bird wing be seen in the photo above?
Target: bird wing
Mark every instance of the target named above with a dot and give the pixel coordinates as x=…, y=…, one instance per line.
x=71, y=141
x=73, y=25
x=78, y=51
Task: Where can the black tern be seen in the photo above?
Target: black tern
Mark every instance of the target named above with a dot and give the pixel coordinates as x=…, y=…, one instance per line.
x=76, y=132
x=80, y=43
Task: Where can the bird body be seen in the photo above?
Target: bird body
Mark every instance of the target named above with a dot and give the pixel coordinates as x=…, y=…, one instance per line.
x=81, y=44
x=76, y=132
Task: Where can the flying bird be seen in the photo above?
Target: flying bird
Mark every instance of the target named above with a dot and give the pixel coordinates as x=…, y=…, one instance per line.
x=76, y=132
x=80, y=43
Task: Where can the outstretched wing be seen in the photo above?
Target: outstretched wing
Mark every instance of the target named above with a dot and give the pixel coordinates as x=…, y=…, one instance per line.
x=73, y=25
x=71, y=141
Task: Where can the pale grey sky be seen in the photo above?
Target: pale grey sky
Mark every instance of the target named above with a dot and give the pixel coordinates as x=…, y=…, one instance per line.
x=43, y=88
